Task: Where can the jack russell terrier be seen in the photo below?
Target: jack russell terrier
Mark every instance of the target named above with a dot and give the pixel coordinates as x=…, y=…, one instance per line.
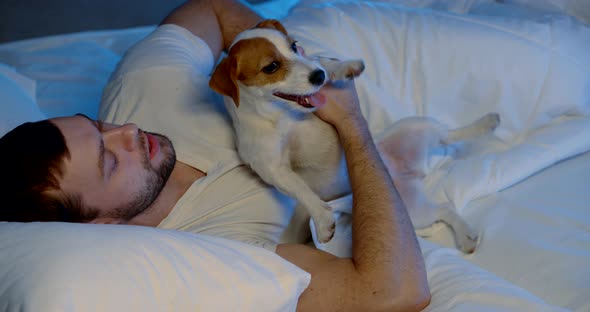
x=268, y=81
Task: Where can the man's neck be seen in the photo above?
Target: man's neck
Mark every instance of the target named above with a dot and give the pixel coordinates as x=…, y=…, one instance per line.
x=181, y=178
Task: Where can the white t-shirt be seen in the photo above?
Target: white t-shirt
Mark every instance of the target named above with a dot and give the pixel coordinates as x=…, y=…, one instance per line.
x=162, y=86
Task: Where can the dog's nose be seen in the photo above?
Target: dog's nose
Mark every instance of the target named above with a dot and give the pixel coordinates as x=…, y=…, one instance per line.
x=317, y=77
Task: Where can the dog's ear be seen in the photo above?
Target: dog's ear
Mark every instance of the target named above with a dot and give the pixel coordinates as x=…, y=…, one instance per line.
x=224, y=81
x=272, y=24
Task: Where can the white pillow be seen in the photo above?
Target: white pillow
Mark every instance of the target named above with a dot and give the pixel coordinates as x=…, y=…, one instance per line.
x=86, y=267
x=17, y=100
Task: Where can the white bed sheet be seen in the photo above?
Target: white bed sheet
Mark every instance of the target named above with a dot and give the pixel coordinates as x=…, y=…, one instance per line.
x=535, y=245
x=536, y=234
x=534, y=249
x=537, y=78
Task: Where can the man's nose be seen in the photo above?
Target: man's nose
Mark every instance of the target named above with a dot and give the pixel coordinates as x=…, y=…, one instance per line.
x=126, y=136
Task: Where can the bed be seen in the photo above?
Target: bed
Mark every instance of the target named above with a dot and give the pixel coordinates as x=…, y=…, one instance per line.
x=525, y=188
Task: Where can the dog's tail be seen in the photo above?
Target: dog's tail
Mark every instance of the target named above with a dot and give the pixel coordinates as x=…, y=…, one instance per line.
x=482, y=126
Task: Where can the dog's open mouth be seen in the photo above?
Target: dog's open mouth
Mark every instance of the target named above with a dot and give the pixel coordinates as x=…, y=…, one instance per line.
x=303, y=100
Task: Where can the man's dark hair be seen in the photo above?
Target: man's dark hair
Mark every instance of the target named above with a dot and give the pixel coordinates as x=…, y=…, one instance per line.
x=32, y=160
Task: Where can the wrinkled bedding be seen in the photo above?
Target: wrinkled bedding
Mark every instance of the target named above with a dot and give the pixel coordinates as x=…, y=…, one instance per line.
x=524, y=189
x=534, y=71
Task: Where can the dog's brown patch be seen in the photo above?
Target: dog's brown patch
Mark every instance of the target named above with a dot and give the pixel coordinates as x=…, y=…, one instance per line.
x=252, y=56
x=272, y=24
x=245, y=63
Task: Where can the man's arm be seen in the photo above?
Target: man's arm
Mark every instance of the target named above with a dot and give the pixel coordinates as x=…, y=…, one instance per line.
x=217, y=22
x=386, y=271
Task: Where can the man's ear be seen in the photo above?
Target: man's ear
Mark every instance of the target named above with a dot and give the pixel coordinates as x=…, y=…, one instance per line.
x=223, y=80
x=272, y=24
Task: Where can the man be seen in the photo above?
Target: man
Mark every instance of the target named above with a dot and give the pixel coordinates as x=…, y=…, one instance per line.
x=79, y=170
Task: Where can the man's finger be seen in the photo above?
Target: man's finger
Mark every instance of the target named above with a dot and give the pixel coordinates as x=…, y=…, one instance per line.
x=318, y=100
x=340, y=84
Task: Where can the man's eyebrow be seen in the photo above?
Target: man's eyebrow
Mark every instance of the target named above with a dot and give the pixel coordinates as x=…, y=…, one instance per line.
x=98, y=125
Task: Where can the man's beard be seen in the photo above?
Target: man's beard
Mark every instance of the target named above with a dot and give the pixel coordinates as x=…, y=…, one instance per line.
x=155, y=182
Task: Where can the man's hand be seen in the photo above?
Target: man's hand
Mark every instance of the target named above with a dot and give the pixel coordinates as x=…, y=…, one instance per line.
x=338, y=105
x=217, y=22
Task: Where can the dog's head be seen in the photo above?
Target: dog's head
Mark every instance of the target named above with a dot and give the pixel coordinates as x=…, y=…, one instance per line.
x=266, y=64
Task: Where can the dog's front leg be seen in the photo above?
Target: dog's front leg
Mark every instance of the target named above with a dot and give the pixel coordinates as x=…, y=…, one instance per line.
x=341, y=70
x=290, y=183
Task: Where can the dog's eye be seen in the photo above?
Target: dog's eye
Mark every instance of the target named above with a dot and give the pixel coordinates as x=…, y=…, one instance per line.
x=271, y=68
x=294, y=46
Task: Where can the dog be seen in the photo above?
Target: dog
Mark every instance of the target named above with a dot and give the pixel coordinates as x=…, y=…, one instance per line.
x=270, y=80
x=406, y=147
x=267, y=81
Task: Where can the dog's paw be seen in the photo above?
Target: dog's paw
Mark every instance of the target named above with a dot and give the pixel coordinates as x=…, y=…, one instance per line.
x=325, y=225
x=347, y=70
x=468, y=242
x=355, y=68
x=491, y=121
x=466, y=238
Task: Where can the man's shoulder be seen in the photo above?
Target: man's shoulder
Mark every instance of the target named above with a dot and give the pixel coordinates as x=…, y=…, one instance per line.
x=167, y=46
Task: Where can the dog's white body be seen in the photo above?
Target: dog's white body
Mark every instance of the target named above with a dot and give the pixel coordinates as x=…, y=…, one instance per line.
x=291, y=148
x=286, y=145
x=278, y=149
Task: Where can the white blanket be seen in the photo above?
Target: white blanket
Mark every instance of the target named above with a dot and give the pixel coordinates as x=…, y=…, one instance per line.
x=535, y=74
x=534, y=71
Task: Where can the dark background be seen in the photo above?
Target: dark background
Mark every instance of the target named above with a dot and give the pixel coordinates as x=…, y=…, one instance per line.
x=23, y=19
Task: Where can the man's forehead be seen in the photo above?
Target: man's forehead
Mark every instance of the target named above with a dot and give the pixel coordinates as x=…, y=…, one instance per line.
x=76, y=121
x=77, y=130
x=66, y=119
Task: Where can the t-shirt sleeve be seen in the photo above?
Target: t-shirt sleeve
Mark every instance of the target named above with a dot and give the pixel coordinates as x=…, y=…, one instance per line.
x=168, y=46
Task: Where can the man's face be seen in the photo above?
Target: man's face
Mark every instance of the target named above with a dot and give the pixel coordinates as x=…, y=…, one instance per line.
x=118, y=170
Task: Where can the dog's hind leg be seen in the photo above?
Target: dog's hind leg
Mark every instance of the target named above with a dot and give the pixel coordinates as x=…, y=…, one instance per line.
x=465, y=236
x=482, y=126
x=424, y=213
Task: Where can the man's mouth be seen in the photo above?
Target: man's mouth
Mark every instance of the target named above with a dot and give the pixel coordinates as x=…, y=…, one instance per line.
x=153, y=145
x=303, y=100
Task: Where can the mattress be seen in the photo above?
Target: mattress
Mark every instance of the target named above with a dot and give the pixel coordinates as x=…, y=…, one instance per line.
x=534, y=226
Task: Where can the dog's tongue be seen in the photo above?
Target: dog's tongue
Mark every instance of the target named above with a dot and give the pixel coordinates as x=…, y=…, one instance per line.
x=317, y=100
